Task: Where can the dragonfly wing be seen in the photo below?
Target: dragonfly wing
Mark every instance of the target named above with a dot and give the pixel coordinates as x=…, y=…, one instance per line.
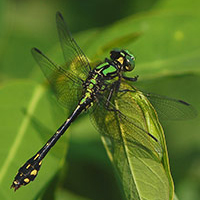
x=171, y=109
x=65, y=84
x=126, y=129
x=74, y=56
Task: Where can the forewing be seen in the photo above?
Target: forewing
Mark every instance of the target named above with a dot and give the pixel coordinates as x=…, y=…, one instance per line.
x=74, y=57
x=171, y=109
x=66, y=85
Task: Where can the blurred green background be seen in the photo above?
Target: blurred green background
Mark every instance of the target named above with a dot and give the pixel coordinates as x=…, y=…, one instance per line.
x=164, y=37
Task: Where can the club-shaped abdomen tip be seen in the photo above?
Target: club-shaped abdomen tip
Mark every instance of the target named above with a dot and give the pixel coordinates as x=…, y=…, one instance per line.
x=16, y=185
x=23, y=178
x=27, y=172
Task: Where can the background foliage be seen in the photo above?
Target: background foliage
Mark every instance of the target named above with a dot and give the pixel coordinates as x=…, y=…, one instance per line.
x=167, y=50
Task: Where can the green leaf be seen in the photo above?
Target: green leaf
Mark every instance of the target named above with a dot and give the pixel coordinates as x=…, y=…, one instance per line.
x=141, y=162
x=19, y=140
x=63, y=195
x=175, y=197
x=179, y=5
x=168, y=44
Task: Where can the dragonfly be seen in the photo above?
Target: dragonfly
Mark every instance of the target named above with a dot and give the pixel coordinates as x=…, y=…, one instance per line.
x=80, y=87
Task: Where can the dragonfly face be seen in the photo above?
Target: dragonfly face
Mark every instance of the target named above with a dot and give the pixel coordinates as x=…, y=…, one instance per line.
x=124, y=57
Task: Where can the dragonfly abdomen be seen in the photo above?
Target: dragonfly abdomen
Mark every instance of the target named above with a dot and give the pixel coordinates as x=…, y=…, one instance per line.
x=29, y=170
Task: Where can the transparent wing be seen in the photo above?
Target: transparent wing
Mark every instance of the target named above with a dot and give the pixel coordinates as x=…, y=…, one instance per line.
x=74, y=57
x=124, y=127
x=67, y=87
x=171, y=109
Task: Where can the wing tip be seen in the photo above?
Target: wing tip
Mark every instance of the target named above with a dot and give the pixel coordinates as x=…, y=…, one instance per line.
x=193, y=113
x=59, y=15
x=34, y=49
x=183, y=102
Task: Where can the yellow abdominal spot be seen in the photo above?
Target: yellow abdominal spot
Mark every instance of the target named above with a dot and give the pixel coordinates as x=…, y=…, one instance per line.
x=26, y=180
x=28, y=166
x=36, y=156
x=34, y=172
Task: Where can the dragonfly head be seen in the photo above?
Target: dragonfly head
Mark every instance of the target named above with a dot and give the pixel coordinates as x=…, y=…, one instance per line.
x=124, y=57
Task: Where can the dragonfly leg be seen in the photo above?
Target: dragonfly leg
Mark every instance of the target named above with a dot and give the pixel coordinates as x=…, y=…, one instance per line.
x=114, y=87
x=125, y=91
x=132, y=79
x=108, y=100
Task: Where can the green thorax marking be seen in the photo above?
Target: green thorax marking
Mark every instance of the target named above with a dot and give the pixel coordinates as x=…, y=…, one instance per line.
x=102, y=65
x=106, y=68
x=93, y=81
x=110, y=69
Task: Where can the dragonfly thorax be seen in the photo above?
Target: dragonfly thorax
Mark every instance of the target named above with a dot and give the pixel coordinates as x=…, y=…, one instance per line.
x=101, y=76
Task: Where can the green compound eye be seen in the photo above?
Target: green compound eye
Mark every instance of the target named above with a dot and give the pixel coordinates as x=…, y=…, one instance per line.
x=129, y=62
x=128, y=53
